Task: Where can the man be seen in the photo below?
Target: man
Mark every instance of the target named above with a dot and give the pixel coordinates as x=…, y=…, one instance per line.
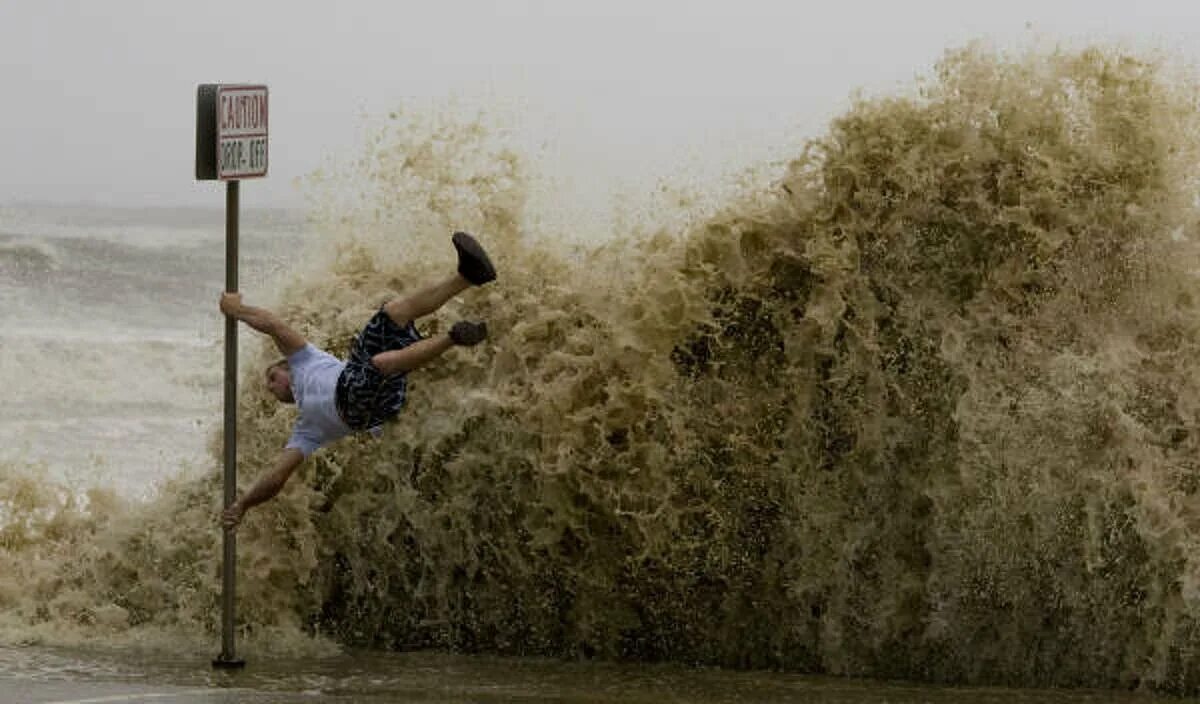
x=338, y=398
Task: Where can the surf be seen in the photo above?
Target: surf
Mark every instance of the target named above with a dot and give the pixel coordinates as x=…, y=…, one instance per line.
x=920, y=404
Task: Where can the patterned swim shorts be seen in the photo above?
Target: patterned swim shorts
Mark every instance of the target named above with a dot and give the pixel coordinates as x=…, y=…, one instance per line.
x=365, y=397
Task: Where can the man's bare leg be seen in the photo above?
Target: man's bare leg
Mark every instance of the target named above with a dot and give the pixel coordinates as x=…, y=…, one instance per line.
x=415, y=355
x=405, y=309
x=474, y=269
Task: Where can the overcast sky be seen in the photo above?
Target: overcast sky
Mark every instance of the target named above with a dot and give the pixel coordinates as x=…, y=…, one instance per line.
x=99, y=96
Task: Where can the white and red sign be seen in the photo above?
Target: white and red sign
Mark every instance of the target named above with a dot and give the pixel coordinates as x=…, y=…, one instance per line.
x=241, y=132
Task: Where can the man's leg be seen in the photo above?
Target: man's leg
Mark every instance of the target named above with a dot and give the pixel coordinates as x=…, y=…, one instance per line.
x=474, y=269
x=405, y=309
x=401, y=361
x=405, y=360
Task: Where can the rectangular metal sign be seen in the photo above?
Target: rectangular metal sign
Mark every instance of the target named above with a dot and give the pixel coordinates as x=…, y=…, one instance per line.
x=241, y=132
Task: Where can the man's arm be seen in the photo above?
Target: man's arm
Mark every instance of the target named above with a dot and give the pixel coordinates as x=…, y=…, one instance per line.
x=267, y=486
x=264, y=321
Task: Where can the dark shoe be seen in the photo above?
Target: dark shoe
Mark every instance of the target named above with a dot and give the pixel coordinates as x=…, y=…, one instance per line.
x=468, y=334
x=473, y=262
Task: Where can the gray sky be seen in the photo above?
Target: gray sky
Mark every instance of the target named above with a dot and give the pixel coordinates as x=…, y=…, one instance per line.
x=99, y=96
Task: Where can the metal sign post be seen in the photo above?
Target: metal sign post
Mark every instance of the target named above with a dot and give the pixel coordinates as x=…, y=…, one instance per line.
x=231, y=144
x=228, y=657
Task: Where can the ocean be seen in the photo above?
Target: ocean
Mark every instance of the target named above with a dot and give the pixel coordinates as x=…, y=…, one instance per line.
x=916, y=405
x=112, y=363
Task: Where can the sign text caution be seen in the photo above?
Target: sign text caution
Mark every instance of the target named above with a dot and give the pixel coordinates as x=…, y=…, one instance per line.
x=241, y=132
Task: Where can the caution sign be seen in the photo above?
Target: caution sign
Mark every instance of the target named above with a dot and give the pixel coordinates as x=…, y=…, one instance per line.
x=231, y=131
x=241, y=132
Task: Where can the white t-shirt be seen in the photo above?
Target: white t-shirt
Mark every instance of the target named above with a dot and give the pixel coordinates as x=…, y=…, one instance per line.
x=314, y=384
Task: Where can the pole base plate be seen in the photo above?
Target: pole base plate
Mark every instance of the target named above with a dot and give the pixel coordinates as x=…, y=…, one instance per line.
x=222, y=662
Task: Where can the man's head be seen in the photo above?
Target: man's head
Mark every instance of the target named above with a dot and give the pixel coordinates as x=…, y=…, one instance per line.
x=279, y=381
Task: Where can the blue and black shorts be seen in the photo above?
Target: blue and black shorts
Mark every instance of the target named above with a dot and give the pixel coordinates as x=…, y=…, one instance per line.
x=365, y=397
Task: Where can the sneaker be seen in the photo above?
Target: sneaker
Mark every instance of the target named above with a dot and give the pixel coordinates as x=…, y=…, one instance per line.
x=468, y=334
x=473, y=262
